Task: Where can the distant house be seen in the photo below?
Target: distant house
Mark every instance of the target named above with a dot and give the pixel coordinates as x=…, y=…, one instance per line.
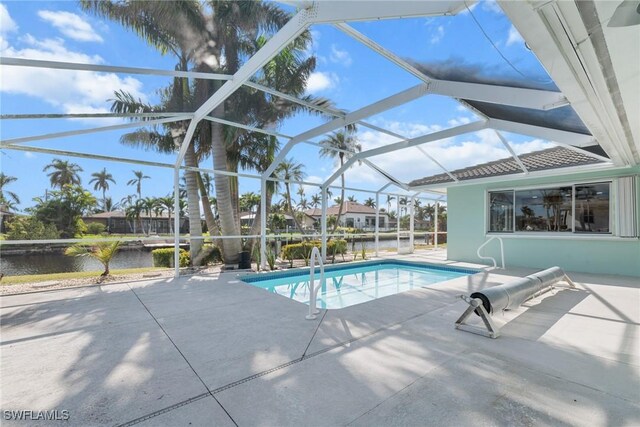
x=354, y=215
x=5, y=215
x=246, y=219
x=116, y=222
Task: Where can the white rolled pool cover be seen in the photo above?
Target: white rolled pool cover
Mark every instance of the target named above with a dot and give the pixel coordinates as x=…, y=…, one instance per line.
x=514, y=293
x=508, y=296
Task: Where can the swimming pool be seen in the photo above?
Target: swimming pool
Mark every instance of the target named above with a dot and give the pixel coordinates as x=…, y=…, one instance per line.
x=352, y=284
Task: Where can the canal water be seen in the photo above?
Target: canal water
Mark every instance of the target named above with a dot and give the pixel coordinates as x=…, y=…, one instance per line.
x=58, y=262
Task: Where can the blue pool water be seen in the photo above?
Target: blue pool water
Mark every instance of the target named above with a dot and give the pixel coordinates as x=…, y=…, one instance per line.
x=354, y=284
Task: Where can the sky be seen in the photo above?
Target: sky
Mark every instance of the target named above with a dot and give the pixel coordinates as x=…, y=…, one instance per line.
x=348, y=73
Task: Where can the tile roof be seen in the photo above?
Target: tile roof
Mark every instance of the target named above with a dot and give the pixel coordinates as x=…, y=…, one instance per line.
x=348, y=207
x=551, y=158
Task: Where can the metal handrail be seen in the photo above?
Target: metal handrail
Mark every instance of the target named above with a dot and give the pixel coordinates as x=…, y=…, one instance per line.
x=495, y=265
x=313, y=290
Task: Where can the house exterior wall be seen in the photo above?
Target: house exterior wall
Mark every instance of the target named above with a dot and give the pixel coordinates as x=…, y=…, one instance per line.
x=604, y=254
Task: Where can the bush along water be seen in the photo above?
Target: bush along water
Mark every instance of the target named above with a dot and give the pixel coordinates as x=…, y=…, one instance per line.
x=303, y=250
x=164, y=257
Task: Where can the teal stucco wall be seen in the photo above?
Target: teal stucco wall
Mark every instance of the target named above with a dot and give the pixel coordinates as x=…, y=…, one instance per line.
x=593, y=254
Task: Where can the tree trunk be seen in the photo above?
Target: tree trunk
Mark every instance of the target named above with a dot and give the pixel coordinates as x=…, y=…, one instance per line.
x=193, y=201
x=230, y=247
x=209, y=218
x=335, y=226
x=256, y=227
x=291, y=212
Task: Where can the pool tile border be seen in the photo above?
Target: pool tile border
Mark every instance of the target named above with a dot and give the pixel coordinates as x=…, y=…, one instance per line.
x=301, y=271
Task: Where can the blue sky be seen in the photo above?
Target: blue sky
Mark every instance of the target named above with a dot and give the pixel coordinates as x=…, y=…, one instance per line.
x=348, y=73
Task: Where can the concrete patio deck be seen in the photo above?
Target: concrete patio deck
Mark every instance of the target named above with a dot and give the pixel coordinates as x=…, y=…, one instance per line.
x=206, y=350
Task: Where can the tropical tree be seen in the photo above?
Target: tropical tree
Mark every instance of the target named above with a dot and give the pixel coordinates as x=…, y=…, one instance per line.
x=390, y=198
x=167, y=204
x=352, y=198
x=7, y=196
x=63, y=173
x=370, y=202
x=343, y=145
x=216, y=37
x=109, y=206
x=137, y=182
x=133, y=213
x=64, y=208
x=102, y=252
x=316, y=200
x=100, y=181
x=288, y=170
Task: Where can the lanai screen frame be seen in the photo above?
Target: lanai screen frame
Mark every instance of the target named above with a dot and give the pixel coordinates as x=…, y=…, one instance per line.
x=311, y=13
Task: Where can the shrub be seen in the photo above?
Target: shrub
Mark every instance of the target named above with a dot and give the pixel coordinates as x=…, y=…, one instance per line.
x=96, y=228
x=164, y=257
x=303, y=250
x=213, y=256
x=30, y=228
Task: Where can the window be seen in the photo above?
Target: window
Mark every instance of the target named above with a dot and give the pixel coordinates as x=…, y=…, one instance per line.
x=501, y=211
x=580, y=208
x=547, y=209
x=592, y=208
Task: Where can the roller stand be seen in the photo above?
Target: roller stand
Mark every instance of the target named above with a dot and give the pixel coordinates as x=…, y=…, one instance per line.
x=475, y=304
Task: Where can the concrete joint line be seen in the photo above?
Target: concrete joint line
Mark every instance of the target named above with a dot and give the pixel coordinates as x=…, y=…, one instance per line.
x=257, y=375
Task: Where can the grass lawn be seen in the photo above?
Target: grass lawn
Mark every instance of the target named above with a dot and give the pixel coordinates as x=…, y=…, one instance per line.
x=14, y=280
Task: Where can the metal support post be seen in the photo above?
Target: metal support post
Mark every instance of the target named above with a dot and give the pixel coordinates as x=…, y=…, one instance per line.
x=398, y=222
x=323, y=223
x=263, y=223
x=411, y=226
x=176, y=222
x=377, y=232
x=435, y=229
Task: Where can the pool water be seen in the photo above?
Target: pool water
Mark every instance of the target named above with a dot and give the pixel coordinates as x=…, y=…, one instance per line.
x=354, y=284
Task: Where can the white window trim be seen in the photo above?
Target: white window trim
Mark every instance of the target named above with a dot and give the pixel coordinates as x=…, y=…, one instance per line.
x=613, y=210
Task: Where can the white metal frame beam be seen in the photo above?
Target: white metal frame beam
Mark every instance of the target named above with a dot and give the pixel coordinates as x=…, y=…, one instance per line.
x=527, y=98
x=434, y=136
x=353, y=117
x=554, y=135
x=513, y=153
x=75, y=66
x=185, y=116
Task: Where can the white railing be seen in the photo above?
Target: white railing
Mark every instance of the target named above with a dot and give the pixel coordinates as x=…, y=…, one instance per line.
x=495, y=265
x=313, y=289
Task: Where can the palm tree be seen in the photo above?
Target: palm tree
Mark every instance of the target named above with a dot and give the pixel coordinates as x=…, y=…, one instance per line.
x=167, y=203
x=346, y=142
x=352, y=199
x=390, y=198
x=370, y=202
x=316, y=200
x=63, y=173
x=109, y=206
x=289, y=170
x=103, y=252
x=133, y=213
x=101, y=180
x=137, y=181
x=215, y=37
x=10, y=197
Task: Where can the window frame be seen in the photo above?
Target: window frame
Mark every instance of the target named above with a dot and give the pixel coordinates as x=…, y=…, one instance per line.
x=580, y=234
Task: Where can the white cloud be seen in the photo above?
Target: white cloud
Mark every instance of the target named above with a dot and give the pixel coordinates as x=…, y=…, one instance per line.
x=319, y=81
x=29, y=155
x=69, y=91
x=71, y=25
x=340, y=56
x=437, y=35
x=7, y=24
x=514, y=36
x=459, y=121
